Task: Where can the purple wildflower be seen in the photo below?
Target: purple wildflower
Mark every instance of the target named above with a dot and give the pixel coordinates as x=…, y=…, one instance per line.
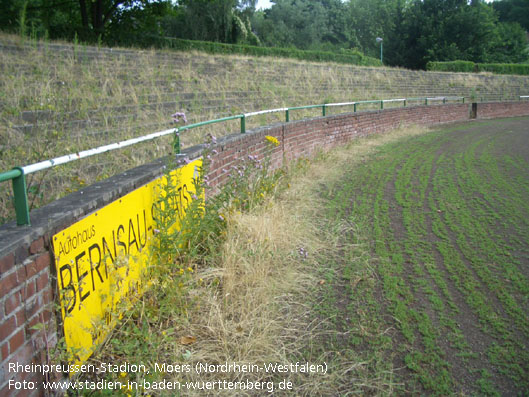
x=303, y=253
x=179, y=116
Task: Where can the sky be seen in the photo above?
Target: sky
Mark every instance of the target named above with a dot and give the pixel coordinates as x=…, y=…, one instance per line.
x=263, y=4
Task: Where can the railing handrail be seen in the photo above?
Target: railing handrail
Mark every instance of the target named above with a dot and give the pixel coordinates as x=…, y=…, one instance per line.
x=264, y=112
x=202, y=123
x=28, y=169
x=11, y=174
x=17, y=174
x=306, y=107
x=341, y=104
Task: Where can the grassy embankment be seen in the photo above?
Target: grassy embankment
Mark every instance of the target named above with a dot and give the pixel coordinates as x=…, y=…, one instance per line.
x=399, y=261
x=58, y=99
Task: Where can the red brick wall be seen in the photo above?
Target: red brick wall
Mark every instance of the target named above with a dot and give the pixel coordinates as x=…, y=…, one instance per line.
x=303, y=138
x=26, y=300
x=489, y=110
x=26, y=275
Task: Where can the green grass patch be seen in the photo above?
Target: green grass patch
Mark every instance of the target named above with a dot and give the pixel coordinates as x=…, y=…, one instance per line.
x=447, y=223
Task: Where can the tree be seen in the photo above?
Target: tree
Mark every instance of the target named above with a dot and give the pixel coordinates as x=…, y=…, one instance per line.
x=56, y=17
x=513, y=11
x=97, y=14
x=510, y=44
x=395, y=39
x=371, y=19
x=89, y=19
x=130, y=26
x=446, y=30
x=305, y=24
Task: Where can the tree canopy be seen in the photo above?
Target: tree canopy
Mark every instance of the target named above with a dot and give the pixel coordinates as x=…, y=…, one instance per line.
x=414, y=32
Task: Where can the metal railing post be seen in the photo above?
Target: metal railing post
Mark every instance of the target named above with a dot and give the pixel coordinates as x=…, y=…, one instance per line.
x=21, y=198
x=354, y=107
x=381, y=105
x=243, y=124
x=324, y=110
x=444, y=100
x=405, y=103
x=426, y=101
x=287, y=115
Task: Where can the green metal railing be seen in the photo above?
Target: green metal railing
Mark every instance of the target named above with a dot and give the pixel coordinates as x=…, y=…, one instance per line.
x=176, y=145
x=322, y=106
x=18, y=174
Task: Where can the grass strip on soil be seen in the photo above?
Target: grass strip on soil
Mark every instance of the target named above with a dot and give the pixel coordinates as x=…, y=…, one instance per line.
x=446, y=221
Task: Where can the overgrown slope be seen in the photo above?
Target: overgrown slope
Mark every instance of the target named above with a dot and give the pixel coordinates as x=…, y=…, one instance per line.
x=61, y=98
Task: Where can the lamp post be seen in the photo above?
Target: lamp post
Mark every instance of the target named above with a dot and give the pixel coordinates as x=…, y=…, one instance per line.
x=380, y=40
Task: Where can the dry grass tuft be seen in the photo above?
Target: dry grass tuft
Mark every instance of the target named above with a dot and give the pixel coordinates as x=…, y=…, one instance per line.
x=255, y=314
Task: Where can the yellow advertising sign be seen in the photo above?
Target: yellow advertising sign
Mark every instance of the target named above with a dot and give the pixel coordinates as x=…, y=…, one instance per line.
x=99, y=260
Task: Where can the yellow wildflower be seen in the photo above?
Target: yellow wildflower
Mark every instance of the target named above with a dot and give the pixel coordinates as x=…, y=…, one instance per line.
x=272, y=139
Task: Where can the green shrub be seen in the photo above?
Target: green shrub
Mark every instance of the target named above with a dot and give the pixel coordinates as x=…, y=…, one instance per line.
x=454, y=66
x=504, y=68
x=471, y=67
